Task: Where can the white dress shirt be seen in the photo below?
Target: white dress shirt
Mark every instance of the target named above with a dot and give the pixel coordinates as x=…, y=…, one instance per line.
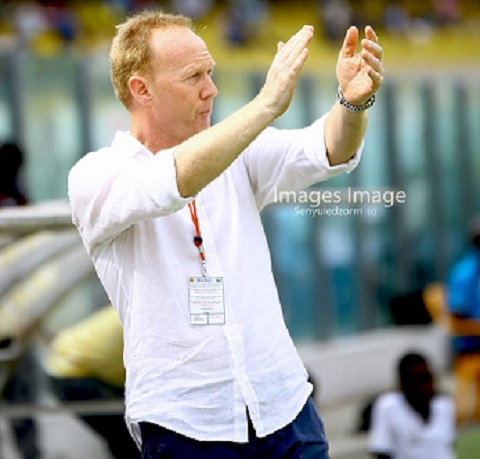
x=197, y=380
x=400, y=432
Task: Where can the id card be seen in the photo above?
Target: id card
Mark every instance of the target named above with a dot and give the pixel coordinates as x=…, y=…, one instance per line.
x=205, y=297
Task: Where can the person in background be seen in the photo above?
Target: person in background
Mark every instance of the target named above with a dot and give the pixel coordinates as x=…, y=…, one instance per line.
x=169, y=214
x=463, y=302
x=85, y=363
x=415, y=421
x=335, y=16
x=19, y=388
x=244, y=19
x=11, y=160
x=195, y=9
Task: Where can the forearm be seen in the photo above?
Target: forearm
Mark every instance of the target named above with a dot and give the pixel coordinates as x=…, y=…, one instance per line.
x=462, y=326
x=344, y=132
x=203, y=157
x=206, y=155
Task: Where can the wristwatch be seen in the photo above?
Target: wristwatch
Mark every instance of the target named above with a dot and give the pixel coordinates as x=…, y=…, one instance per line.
x=354, y=108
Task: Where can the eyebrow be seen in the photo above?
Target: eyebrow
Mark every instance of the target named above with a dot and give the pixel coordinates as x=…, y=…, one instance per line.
x=201, y=64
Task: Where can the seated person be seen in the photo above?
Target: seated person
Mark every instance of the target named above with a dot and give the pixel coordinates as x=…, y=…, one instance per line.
x=413, y=422
x=84, y=364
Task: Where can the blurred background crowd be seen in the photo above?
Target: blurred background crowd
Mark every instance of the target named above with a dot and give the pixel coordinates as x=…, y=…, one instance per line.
x=359, y=287
x=48, y=25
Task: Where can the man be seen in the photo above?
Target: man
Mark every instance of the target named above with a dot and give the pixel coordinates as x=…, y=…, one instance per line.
x=463, y=302
x=191, y=279
x=414, y=422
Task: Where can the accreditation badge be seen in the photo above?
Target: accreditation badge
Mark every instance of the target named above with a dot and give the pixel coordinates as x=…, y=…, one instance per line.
x=205, y=298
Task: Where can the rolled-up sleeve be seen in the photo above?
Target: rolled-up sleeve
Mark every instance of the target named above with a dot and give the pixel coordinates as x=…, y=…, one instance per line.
x=160, y=178
x=290, y=160
x=109, y=193
x=316, y=151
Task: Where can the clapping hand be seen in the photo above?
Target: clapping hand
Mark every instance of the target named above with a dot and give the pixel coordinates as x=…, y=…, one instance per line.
x=360, y=75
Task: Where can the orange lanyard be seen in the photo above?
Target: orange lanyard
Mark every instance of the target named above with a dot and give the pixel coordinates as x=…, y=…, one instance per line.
x=197, y=239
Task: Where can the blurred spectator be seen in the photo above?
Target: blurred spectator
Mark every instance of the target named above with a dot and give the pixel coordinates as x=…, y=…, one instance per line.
x=62, y=21
x=19, y=388
x=396, y=18
x=11, y=159
x=243, y=20
x=236, y=32
x=123, y=7
x=446, y=11
x=336, y=16
x=29, y=21
x=413, y=422
x=192, y=8
x=85, y=363
x=464, y=303
x=48, y=24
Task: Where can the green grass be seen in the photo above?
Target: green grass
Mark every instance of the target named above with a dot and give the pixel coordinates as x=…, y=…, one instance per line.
x=468, y=443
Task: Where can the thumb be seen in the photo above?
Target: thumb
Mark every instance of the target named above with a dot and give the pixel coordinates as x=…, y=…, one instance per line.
x=350, y=43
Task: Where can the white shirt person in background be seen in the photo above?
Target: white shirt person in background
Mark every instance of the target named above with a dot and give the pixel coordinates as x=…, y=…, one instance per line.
x=169, y=214
x=414, y=422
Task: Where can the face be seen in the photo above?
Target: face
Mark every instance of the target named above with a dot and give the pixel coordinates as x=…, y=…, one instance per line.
x=420, y=380
x=181, y=85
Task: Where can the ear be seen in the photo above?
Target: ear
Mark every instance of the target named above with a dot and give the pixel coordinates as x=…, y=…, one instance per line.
x=139, y=89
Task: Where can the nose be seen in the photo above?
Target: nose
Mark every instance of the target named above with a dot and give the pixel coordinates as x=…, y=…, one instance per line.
x=209, y=90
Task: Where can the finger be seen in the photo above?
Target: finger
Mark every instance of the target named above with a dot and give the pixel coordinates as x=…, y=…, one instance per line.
x=295, y=36
x=300, y=61
x=294, y=39
x=375, y=76
x=373, y=62
x=295, y=47
x=288, y=53
x=284, y=49
x=350, y=42
x=299, y=37
x=373, y=48
x=371, y=34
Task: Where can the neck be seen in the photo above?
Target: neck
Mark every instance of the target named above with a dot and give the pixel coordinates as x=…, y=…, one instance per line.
x=149, y=133
x=420, y=404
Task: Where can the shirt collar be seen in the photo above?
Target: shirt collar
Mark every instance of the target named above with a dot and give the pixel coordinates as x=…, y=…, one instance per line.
x=128, y=145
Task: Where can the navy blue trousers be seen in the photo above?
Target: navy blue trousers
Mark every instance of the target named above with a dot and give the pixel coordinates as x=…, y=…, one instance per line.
x=303, y=438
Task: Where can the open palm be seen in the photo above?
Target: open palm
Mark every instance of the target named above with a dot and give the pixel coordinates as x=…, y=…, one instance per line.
x=360, y=74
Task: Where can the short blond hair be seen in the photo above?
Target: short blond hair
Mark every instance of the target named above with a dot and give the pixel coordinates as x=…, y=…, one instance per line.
x=130, y=53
